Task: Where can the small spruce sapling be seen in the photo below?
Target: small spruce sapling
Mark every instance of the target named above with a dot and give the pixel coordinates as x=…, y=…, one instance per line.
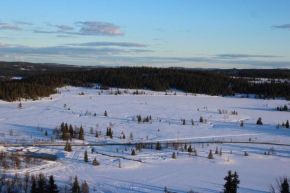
x=210, y=156
x=95, y=162
x=259, y=121
x=201, y=119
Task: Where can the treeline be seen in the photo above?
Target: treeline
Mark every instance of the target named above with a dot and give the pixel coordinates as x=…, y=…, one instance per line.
x=158, y=79
x=39, y=183
x=257, y=73
x=265, y=90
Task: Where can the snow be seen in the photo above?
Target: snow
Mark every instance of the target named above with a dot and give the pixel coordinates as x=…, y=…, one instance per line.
x=17, y=78
x=157, y=169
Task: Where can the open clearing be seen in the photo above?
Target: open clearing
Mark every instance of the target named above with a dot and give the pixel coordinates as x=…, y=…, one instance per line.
x=157, y=169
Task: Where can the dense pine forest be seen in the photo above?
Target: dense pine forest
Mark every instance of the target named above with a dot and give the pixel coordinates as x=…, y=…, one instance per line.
x=257, y=73
x=158, y=79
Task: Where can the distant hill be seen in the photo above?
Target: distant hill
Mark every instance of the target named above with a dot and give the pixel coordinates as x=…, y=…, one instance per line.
x=24, y=69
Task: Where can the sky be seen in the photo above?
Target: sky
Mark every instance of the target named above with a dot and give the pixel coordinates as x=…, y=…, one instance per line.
x=159, y=33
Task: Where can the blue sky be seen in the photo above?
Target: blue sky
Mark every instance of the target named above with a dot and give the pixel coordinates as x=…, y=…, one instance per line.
x=161, y=33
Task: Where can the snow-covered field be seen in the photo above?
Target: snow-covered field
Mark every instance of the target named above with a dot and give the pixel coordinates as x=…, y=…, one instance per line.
x=157, y=169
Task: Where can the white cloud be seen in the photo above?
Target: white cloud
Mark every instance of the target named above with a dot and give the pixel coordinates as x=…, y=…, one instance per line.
x=121, y=44
x=10, y=27
x=98, y=28
x=22, y=22
x=64, y=27
x=285, y=26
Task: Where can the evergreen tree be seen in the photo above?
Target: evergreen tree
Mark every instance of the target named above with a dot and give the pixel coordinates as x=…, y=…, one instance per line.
x=236, y=181
x=287, y=124
x=85, y=187
x=173, y=155
x=216, y=150
x=210, y=156
x=158, y=146
x=242, y=124
x=105, y=114
x=189, y=149
x=66, y=127
x=201, y=119
x=97, y=134
x=33, y=188
x=285, y=186
x=69, y=147
x=86, y=159
x=62, y=127
x=26, y=182
x=76, y=187
x=133, y=152
x=95, y=162
x=228, y=187
x=52, y=187
x=81, y=134
x=41, y=183
x=131, y=136
x=259, y=121
x=71, y=131
x=165, y=190
x=111, y=133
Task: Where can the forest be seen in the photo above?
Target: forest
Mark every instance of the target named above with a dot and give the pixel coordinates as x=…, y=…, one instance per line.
x=157, y=79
